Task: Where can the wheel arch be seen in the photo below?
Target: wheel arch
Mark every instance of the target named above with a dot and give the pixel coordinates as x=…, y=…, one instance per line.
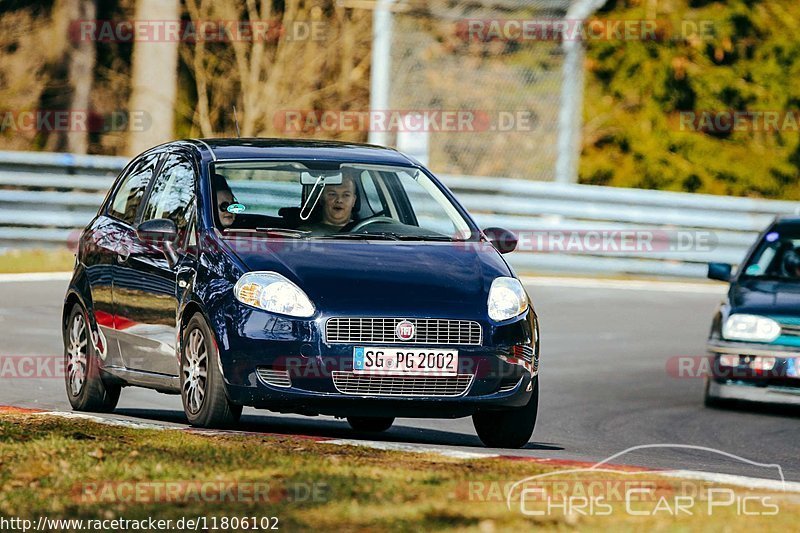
x=192, y=308
x=72, y=298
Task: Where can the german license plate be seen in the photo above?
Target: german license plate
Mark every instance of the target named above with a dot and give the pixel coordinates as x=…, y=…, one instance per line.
x=405, y=361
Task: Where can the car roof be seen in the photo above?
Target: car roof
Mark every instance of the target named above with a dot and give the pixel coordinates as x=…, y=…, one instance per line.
x=299, y=149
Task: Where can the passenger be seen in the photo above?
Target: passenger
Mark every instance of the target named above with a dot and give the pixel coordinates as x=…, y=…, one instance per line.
x=224, y=199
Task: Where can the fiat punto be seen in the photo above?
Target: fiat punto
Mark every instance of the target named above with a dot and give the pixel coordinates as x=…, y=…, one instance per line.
x=308, y=277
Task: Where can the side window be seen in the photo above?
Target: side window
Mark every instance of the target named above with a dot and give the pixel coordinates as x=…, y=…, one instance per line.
x=130, y=192
x=172, y=194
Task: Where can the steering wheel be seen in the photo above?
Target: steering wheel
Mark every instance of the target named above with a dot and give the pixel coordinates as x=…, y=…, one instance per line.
x=372, y=220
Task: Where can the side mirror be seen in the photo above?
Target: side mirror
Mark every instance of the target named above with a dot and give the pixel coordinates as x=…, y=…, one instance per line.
x=161, y=232
x=720, y=271
x=502, y=239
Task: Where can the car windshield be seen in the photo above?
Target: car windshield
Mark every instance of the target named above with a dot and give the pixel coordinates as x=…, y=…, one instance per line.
x=349, y=201
x=777, y=255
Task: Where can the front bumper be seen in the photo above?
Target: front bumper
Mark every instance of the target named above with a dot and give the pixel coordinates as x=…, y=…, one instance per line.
x=251, y=341
x=746, y=381
x=753, y=393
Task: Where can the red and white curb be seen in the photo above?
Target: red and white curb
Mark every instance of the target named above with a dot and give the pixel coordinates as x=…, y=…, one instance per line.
x=711, y=477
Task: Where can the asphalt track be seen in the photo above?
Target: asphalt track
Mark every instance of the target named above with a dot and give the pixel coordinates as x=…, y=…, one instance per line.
x=605, y=384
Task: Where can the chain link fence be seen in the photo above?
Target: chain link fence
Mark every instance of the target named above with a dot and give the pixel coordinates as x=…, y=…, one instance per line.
x=455, y=56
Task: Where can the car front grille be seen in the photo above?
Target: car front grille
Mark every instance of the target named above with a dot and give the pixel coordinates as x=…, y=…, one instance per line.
x=366, y=385
x=276, y=378
x=428, y=331
x=793, y=330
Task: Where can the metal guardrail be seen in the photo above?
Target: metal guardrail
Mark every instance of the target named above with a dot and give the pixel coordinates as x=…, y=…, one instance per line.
x=45, y=197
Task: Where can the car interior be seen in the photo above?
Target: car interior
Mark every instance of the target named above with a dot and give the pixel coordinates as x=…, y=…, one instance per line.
x=779, y=258
x=378, y=194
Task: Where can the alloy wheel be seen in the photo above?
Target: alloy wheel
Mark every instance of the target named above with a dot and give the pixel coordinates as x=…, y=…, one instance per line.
x=195, y=371
x=77, y=351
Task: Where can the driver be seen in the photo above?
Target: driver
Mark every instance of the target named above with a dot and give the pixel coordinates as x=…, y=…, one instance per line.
x=791, y=263
x=336, y=208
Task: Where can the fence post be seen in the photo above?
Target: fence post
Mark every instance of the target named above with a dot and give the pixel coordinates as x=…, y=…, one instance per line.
x=571, y=108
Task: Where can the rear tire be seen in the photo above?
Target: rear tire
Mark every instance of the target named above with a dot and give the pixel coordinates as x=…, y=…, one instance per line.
x=86, y=389
x=373, y=424
x=205, y=401
x=511, y=428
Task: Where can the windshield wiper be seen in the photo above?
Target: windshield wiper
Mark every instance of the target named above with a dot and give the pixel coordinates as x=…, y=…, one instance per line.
x=387, y=235
x=443, y=238
x=284, y=232
x=272, y=232
x=410, y=237
x=361, y=236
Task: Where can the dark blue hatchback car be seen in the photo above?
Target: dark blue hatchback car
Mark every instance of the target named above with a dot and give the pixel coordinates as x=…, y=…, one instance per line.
x=299, y=276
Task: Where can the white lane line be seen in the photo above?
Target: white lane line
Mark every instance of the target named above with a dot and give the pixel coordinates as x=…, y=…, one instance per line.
x=106, y=421
x=35, y=276
x=740, y=481
x=626, y=284
x=404, y=447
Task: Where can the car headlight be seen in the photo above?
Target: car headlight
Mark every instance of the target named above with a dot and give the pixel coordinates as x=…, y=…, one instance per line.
x=507, y=299
x=272, y=292
x=741, y=327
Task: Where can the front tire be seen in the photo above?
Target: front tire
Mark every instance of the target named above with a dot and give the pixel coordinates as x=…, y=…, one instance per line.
x=86, y=389
x=511, y=428
x=373, y=424
x=205, y=401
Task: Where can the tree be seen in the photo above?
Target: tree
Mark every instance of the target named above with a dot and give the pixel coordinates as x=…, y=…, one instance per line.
x=154, y=82
x=81, y=60
x=314, y=55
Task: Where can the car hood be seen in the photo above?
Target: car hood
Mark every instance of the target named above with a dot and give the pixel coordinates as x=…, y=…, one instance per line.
x=382, y=277
x=766, y=297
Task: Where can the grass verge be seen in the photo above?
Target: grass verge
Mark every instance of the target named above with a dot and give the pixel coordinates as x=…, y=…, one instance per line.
x=72, y=468
x=36, y=260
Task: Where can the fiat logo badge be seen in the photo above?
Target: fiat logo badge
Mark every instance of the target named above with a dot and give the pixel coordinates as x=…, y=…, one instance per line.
x=405, y=330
